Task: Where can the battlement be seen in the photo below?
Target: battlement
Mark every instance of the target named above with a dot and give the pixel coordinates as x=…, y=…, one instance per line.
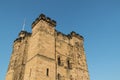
x=63, y=37
x=74, y=34
x=22, y=35
x=69, y=36
x=44, y=18
x=66, y=38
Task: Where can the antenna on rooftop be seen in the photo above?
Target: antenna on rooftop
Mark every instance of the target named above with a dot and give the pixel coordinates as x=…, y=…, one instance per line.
x=23, y=28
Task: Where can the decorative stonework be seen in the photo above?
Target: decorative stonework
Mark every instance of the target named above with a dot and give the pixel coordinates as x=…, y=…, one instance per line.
x=46, y=54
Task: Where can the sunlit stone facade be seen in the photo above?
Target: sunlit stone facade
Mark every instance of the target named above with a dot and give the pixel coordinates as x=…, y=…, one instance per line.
x=46, y=54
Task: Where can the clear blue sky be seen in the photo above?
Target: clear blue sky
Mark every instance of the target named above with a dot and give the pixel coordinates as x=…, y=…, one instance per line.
x=97, y=20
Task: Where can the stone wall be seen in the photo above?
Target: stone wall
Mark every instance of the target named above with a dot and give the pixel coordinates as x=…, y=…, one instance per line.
x=46, y=54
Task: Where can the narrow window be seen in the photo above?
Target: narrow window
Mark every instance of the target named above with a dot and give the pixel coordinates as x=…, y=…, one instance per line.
x=47, y=72
x=58, y=76
x=59, y=61
x=68, y=64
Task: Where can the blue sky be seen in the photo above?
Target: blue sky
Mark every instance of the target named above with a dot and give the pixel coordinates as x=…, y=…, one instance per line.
x=97, y=20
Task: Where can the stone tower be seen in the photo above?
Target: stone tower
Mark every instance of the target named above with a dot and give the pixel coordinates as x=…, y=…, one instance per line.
x=46, y=54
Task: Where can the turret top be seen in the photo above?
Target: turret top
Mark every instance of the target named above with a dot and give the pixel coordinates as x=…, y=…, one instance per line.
x=44, y=18
x=22, y=33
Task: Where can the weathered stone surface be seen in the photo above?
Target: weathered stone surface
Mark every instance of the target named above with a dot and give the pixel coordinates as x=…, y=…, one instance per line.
x=46, y=54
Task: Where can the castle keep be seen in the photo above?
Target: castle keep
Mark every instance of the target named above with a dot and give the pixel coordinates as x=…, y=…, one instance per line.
x=46, y=54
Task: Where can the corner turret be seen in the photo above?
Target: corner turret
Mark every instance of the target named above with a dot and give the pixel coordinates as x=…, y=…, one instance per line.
x=22, y=35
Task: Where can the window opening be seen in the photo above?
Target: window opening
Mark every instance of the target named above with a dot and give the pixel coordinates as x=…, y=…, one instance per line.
x=68, y=64
x=59, y=61
x=47, y=72
x=58, y=76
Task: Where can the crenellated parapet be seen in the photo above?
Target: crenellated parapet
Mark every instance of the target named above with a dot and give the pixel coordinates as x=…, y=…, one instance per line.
x=22, y=35
x=62, y=37
x=44, y=18
x=74, y=34
x=67, y=38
